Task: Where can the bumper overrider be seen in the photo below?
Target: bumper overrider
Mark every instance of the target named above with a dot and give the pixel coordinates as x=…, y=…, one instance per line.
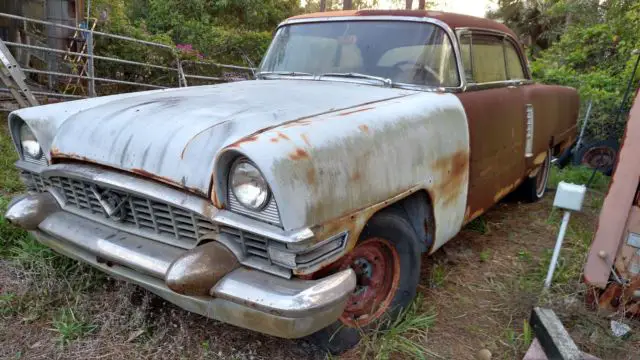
x=207, y=279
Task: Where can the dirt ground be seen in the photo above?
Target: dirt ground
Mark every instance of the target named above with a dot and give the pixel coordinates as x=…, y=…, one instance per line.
x=480, y=286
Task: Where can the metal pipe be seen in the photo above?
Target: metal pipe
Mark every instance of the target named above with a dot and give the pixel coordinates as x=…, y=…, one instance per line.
x=584, y=125
x=204, y=77
x=120, y=37
x=556, y=249
x=95, y=78
x=219, y=65
x=96, y=57
x=90, y=65
x=44, y=93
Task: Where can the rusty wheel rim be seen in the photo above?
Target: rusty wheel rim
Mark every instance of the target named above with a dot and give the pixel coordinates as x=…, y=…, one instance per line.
x=601, y=157
x=377, y=267
x=541, y=181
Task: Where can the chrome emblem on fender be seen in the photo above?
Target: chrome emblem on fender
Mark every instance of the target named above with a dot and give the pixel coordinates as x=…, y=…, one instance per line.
x=112, y=203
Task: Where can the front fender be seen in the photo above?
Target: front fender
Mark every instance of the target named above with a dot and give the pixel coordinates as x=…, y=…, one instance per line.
x=323, y=168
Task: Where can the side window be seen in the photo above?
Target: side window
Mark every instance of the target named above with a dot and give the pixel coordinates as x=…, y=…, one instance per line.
x=465, y=51
x=514, y=65
x=488, y=59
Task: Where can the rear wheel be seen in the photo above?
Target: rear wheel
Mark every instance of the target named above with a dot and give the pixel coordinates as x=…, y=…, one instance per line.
x=386, y=261
x=534, y=187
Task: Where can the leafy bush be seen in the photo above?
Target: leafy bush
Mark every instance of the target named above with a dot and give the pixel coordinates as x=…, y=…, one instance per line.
x=596, y=59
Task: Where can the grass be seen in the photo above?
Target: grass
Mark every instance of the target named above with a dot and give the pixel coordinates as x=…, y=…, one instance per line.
x=578, y=175
x=403, y=339
x=70, y=327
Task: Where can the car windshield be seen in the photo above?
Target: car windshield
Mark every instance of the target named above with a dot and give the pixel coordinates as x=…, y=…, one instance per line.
x=405, y=52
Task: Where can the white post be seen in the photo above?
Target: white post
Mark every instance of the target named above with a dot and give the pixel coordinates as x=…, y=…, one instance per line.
x=556, y=250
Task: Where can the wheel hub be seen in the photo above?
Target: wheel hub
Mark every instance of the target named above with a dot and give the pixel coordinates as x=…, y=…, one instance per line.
x=377, y=267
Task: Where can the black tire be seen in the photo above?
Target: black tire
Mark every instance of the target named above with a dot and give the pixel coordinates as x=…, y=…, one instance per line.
x=600, y=154
x=393, y=227
x=534, y=188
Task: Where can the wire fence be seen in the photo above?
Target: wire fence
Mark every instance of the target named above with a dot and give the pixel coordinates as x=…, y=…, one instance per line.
x=89, y=63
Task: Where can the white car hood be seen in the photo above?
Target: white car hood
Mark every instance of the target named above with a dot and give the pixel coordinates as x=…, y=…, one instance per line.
x=175, y=135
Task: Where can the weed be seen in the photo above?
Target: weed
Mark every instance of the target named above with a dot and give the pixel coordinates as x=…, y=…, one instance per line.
x=438, y=275
x=527, y=334
x=8, y=304
x=485, y=255
x=525, y=255
x=69, y=327
x=478, y=225
x=399, y=340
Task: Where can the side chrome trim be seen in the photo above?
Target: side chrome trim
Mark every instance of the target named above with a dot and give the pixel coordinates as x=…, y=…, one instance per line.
x=447, y=29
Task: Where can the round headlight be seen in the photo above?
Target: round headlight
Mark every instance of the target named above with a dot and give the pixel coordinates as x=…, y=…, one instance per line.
x=29, y=144
x=248, y=185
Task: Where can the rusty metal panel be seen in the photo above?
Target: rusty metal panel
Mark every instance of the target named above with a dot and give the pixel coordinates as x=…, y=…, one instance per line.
x=497, y=134
x=612, y=223
x=329, y=166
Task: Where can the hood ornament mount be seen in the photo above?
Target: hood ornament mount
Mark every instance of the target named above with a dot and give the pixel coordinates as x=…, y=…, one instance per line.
x=112, y=203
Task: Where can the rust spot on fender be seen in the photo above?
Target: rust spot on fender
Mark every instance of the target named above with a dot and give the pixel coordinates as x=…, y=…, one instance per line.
x=283, y=136
x=311, y=176
x=453, y=169
x=345, y=113
x=305, y=138
x=247, y=139
x=299, y=154
x=274, y=140
x=356, y=176
x=364, y=128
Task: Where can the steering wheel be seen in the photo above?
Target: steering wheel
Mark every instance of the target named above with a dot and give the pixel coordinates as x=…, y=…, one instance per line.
x=422, y=72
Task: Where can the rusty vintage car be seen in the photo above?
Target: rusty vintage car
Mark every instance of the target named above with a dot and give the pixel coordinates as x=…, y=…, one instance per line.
x=299, y=203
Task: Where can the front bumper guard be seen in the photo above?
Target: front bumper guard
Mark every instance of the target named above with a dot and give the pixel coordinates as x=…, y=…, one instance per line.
x=288, y=308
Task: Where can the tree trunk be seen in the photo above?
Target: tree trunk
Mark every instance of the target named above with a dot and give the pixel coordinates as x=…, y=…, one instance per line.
x=347, y=5
x=409, y=4
x=323, y=5
x=421, y=4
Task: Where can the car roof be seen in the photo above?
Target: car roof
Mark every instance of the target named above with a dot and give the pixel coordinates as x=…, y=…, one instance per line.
x=455, y=21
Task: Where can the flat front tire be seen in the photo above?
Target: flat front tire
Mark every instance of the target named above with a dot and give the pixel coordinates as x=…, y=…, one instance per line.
x=386, y=260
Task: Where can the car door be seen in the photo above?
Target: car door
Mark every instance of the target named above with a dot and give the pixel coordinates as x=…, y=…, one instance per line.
x=496, y=114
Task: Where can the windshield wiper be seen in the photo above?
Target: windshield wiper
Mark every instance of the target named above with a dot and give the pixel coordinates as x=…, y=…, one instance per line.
x=285, y=73
x=385, y=81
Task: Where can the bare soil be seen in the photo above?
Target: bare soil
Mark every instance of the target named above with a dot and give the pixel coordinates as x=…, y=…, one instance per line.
x=481, y=286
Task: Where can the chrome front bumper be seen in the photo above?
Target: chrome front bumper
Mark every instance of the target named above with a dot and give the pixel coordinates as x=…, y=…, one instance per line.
x=289, y=308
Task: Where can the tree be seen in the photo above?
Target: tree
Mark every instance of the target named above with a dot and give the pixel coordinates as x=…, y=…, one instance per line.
x=421, y=4
x=408, y=4
x=347, y=4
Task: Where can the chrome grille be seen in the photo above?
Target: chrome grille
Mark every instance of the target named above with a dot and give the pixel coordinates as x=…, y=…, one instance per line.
x=186, y=228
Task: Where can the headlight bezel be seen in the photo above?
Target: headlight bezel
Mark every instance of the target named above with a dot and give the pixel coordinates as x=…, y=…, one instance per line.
x=18, y=128
x=232, y=171
x=27, y=139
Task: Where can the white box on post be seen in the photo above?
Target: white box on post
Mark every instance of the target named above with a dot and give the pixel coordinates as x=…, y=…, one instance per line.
x=568, y=197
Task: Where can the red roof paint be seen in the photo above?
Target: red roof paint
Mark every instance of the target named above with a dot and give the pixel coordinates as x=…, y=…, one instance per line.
x=454, y=21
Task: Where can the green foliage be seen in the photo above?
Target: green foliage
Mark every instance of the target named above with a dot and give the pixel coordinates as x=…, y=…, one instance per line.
x=585, y=44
